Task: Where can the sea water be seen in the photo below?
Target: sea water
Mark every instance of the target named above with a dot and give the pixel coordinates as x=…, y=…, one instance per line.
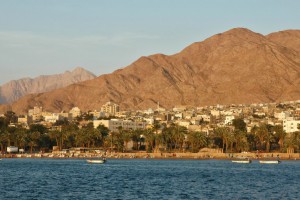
x=147, y=179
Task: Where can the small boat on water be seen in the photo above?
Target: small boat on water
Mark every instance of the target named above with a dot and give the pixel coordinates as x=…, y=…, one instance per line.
x=269, y=161
x=101, y=161
x=242, y=161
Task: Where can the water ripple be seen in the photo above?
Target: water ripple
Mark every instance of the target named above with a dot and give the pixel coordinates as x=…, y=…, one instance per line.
x=147, y=179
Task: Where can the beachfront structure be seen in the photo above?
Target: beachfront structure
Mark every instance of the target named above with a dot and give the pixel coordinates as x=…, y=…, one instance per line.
x=114, y=124
x=110, y=108
x=290, y=125
x=12, y=149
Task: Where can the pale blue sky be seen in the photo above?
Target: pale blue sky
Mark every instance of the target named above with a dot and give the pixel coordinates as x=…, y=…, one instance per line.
x=51, y=36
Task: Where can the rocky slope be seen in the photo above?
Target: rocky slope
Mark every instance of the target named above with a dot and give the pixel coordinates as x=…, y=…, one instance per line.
x=13, y=90
x=237, y=66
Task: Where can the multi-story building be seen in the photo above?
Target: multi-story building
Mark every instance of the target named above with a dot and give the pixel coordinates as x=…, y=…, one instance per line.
x=35, y=113
x=281, y=115
x=75, y=112
x=110, y=108
x=52, y=118
x=25, y=120
x=114, y=124
x=290, y=125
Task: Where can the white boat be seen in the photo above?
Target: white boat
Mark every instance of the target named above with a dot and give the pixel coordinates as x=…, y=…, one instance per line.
x=96, y=161
x=243, y=161
x=269, y=161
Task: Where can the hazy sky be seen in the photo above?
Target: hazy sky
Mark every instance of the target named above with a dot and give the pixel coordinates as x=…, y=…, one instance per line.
x=51, y=36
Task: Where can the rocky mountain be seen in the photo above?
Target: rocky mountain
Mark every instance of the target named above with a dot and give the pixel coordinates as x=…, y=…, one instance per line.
x=237, y=66
x=14, y=90
x=288, y=38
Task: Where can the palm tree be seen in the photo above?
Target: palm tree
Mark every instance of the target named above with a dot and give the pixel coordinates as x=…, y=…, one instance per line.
x=81, y=138
x=33, y=139
x=241, y=142
x=127, y=137
x=21, y=137
x=261, y=132
x=196, y=140
x=155, y=128
x=225, y=134
x=104, y=131
x=178, y=136
x=4, y=140
x=55, y=135
x=150, y=139
x=293, y=141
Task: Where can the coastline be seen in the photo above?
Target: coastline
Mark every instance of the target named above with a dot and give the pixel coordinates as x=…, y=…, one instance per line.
x=144, y=155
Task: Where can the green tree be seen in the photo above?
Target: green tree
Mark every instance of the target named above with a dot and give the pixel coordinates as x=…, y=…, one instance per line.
x=33, y=139
x=293, y=141
x=239, y=124
x=196, y=140
x=241, y=142
x=38, y=128
x=150, y=138
x=225, y=134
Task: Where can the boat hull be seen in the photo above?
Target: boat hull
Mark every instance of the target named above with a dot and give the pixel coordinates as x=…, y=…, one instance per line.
x=96, y=161
x=242, y=161
x=269, y=161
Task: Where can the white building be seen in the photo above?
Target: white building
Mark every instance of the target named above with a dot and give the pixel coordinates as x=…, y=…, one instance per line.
x=205, y=118
x=215, y=113
x=290, y=125
x=75, y=112
x=184, y=123
x=114, y=124
x=52, y=118
x=179, y=115
x=110, y=108
x=281, y=115
x=228, y=119
x=35, y=113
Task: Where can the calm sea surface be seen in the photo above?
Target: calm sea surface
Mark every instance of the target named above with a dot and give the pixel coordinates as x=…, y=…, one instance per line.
x=147, y=179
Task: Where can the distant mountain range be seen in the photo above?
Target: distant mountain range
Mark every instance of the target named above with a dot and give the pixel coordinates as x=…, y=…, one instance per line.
x=14, y=90
x=237, y=66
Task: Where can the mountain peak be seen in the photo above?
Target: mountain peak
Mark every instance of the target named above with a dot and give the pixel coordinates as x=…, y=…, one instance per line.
x=239, y=30
x=78, y=70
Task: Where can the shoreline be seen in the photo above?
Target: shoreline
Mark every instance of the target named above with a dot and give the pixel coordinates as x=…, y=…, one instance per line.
x=167, y=156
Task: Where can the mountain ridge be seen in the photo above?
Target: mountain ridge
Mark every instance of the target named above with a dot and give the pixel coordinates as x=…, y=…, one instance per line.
x=15, y=89
x=236, y=66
